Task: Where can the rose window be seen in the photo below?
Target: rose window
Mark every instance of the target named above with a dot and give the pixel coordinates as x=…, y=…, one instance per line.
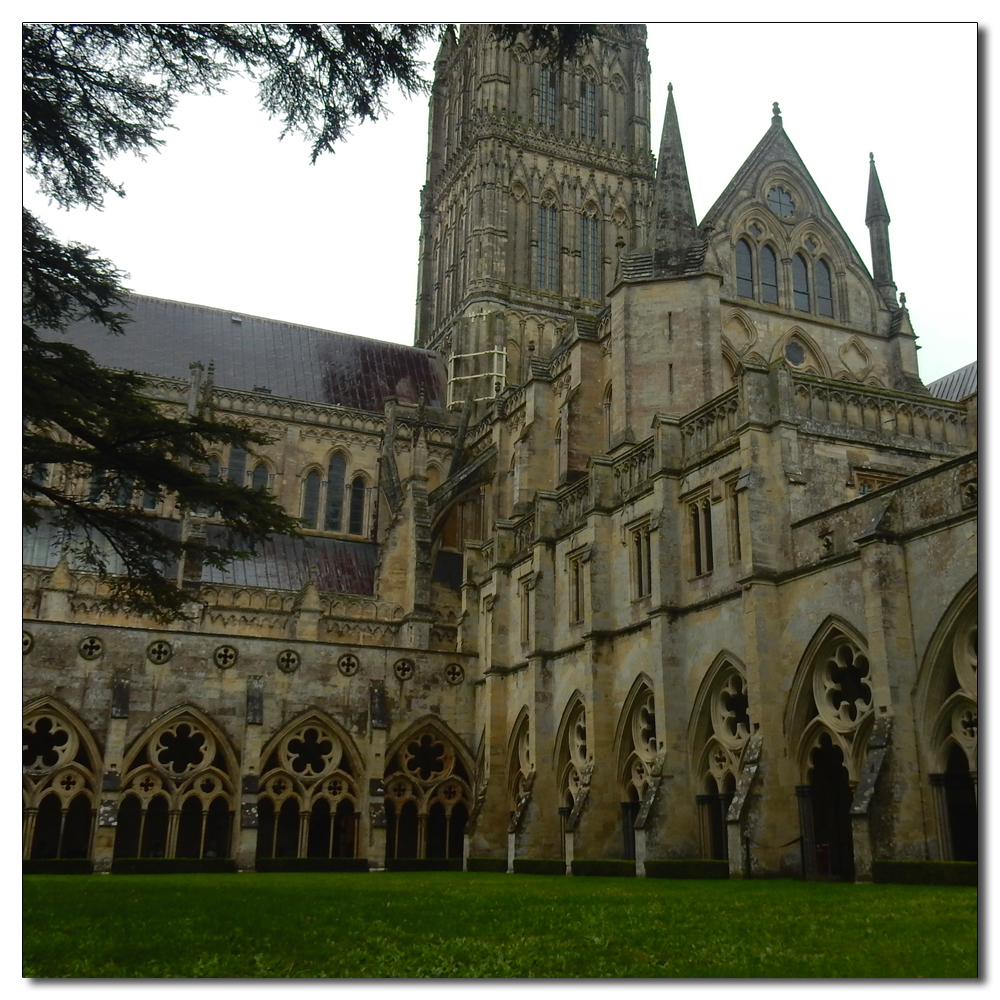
x=45, y=743
x=842, y=687
x=181, y=748
x=311, y=751
x=428, y=757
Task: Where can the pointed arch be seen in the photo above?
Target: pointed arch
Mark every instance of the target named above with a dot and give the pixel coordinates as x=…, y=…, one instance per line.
x=178, y=788
x=317, y=716
x=573, y=758
x=947, y=683
x=636, y=744
x=831, y=692
x=519, y=761
x=813, y=356
x=60, y=766
x=429, y=795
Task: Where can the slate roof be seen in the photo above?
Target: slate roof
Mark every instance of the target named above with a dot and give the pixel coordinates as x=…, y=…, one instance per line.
x=957, y=384
x=297, y=362
x=335, y=565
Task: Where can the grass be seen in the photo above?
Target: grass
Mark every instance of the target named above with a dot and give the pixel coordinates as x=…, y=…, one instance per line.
x=460, y=925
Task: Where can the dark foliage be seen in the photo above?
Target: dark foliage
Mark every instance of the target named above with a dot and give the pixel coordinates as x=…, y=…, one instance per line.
x=604, y=866
x=926, y=872
x=557, y=42
x=539, y=866
x=687, y=868
x=172, y=866
x=487, y=865
x=311, y=864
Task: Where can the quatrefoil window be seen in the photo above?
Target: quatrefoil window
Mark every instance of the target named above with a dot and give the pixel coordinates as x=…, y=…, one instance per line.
x=159, y=652
x=454, y=673
x=225, y=657
x=27, y=641
x=404, y=669
x=348, y=664
x=91, y=648
x=288, y=660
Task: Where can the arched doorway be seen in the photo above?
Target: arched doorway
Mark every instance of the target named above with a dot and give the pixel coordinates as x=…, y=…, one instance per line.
x=831, y=796
x=961, y=806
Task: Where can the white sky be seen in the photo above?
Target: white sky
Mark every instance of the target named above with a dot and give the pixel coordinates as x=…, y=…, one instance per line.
x=227, y=216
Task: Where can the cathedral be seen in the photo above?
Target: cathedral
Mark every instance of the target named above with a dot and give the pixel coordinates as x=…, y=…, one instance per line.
x=653, y=546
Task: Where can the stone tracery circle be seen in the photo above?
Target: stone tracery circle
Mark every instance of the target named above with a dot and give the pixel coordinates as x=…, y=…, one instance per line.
x=47, y=742
x=842, y=686
x=348, y=664
x=311, y=750
x=404, y=669
x=182, y=747
x=159, y=652
x=730, y=719
x=225, y=657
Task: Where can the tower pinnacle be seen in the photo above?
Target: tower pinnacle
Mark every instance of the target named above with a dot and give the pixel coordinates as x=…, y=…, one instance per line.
x=877, y=221
x=673, y=210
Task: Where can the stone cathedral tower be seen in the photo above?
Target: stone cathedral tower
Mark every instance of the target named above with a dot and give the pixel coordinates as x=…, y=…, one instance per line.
x=537, y=176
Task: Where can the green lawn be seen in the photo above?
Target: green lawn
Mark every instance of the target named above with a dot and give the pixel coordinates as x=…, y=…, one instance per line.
x=449, y=924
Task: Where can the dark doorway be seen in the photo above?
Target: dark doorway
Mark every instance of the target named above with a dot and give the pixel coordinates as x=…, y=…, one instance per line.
x=831, y=810
x=630, y=810
x=963, y=810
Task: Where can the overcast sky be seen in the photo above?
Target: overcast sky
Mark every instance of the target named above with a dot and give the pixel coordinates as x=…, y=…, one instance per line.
x=227, y=216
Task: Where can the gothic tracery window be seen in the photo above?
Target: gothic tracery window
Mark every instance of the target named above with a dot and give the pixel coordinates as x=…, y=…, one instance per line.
x=59, y=786
x=308, y=800
x=427, y=799
x=176, y=796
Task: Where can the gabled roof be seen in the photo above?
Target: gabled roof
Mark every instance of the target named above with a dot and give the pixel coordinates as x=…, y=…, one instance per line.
x=956, y=385
x=250, y=352
x=775, y=147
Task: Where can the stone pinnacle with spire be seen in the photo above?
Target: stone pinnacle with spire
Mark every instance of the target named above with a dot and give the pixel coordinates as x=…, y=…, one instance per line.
x=673, y=210
x=877, y=221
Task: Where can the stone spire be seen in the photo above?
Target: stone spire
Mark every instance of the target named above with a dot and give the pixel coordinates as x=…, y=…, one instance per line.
x=877, y=221
x=673, y=211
